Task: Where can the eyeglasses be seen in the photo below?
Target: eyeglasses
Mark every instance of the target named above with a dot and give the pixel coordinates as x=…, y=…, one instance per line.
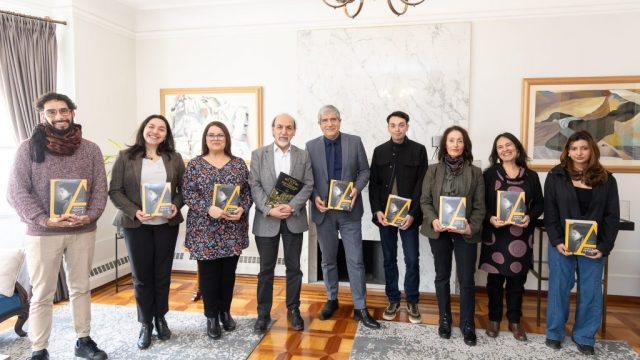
x=54, y=112
x=215, y=136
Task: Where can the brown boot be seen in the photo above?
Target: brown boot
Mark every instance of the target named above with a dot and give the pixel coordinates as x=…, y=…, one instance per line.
x=493, y=329
x=518, y=331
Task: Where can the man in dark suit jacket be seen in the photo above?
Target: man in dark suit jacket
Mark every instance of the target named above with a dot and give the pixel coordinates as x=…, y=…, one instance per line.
x=399, y=156
x=286, y=220
x=339, y=156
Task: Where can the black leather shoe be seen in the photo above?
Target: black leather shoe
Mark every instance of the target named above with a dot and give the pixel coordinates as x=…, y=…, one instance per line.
x=213, y=328
x=162, y=329
x=88, y=349
x=584, y=349
x=554, y=344
x=144, y=339
x=444, y=326
x=469, y=334
x=294, y=318
x=228, y=324
x=363, y=316
x=262, y=324
x=329, y=309
x=40, y=355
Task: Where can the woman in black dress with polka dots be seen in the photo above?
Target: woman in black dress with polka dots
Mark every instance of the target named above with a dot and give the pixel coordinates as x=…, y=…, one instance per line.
x=507, y=249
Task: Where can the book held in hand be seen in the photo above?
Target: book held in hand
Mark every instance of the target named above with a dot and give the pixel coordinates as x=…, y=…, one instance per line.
x=156, y=199
x=286, y=188
x=396, y=210
x=452, y=212
x=511, y=206
x=581, y=237
x=226, y=197
x=340, y=195
x=68, y=196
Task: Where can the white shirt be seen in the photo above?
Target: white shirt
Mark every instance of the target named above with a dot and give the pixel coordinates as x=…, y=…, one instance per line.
x=281, y=160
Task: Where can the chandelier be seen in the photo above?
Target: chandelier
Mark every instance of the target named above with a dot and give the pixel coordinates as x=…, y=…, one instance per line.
x=336, y=4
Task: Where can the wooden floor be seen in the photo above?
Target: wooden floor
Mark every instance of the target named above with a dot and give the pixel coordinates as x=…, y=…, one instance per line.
x=333, y=339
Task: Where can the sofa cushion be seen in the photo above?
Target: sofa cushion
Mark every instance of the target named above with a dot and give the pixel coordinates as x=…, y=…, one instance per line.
x=9, y=305
x=11, y=260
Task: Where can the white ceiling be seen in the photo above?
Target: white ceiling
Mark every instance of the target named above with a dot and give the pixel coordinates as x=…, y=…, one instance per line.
x=165, y=4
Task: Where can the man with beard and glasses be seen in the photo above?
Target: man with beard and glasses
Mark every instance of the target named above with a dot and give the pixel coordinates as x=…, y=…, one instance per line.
x=286, y=220
x=56, y=150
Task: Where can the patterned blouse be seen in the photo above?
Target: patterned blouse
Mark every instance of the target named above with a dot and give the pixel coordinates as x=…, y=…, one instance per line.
x=208, y=238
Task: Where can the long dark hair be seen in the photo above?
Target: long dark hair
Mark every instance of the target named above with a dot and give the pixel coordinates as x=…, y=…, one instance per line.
x=227, y=138
x=521, y=157
x=594, y=173
x=467, y=155
x=168, y=146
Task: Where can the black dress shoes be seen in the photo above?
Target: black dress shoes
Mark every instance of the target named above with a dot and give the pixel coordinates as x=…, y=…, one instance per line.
x=162, y=329
x=262, y=324
x=554, y=344
x=295, y=319
x=86, y=348
x=584, y=349
x=228, y=324
x=444, y=326
x=329, y=309
x=363, y=316
x=213, y=328
x=144, y=340
x=469, y=334
x=40, y=355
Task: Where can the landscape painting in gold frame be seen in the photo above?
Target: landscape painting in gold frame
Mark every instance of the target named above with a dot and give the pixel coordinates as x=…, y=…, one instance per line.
x=607, y=107
x=189, y=110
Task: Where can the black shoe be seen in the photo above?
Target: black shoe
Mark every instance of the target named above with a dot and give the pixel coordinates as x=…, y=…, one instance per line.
x=554, y=344
x=584, y=349
x=469, y=334
x=88, y=349
x=144, y=339
x=162, y=329
x=294, y=318
x=228, y=324
x=329, y=309
x=444, y=326
x=213, y=328
x=363, y=316
x=40, y=355
x=262, y=324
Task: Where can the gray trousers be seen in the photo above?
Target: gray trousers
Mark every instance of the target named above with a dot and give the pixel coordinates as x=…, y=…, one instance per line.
x=351, y=235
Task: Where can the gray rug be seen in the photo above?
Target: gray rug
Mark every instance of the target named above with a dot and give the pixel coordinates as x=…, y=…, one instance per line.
x=116, y=329
x=405, y=341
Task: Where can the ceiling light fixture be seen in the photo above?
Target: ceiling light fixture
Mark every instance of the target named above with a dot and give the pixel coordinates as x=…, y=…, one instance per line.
x=336, y=4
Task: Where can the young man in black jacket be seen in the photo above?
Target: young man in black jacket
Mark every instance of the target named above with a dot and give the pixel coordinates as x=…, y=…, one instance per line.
x=397, y=168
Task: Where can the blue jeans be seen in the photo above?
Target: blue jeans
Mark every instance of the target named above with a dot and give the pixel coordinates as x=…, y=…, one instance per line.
x=410, y=247
x=563, y=271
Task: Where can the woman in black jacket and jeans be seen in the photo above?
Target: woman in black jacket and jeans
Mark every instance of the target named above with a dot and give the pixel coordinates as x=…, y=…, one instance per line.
x=579, y=189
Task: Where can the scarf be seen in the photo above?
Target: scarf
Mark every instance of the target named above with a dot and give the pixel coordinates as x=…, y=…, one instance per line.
x=60, y=143
x=455, y=165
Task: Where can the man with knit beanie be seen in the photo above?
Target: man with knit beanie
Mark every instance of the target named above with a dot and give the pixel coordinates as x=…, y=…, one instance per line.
x=56, y=150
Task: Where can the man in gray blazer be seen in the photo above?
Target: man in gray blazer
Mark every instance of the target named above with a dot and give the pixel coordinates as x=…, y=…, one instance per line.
x=339, y=156
x=286, y=220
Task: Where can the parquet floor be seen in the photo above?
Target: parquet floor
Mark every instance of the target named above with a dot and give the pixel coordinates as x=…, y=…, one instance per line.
x=333, y=339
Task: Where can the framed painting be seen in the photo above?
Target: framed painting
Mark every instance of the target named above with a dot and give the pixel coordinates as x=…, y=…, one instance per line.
x=607, y=107
x=189, y=110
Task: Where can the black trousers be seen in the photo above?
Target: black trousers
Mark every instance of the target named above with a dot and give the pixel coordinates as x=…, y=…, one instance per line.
x=514, y=292
x=217, y=279
x=151, y=249
x=268, y=250
x=443, y=250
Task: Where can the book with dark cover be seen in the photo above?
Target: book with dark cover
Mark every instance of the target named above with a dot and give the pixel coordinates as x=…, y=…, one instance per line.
x=511, y=206
x=68, y=196
x=452, y=212
x=581, y=236
x=396, y=210
x=340, y=195
x=156, y=199
x=286, y=188
x=226, y=197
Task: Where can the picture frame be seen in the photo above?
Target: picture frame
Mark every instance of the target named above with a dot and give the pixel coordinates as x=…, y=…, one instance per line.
x=608, y=107
x=189, y=110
